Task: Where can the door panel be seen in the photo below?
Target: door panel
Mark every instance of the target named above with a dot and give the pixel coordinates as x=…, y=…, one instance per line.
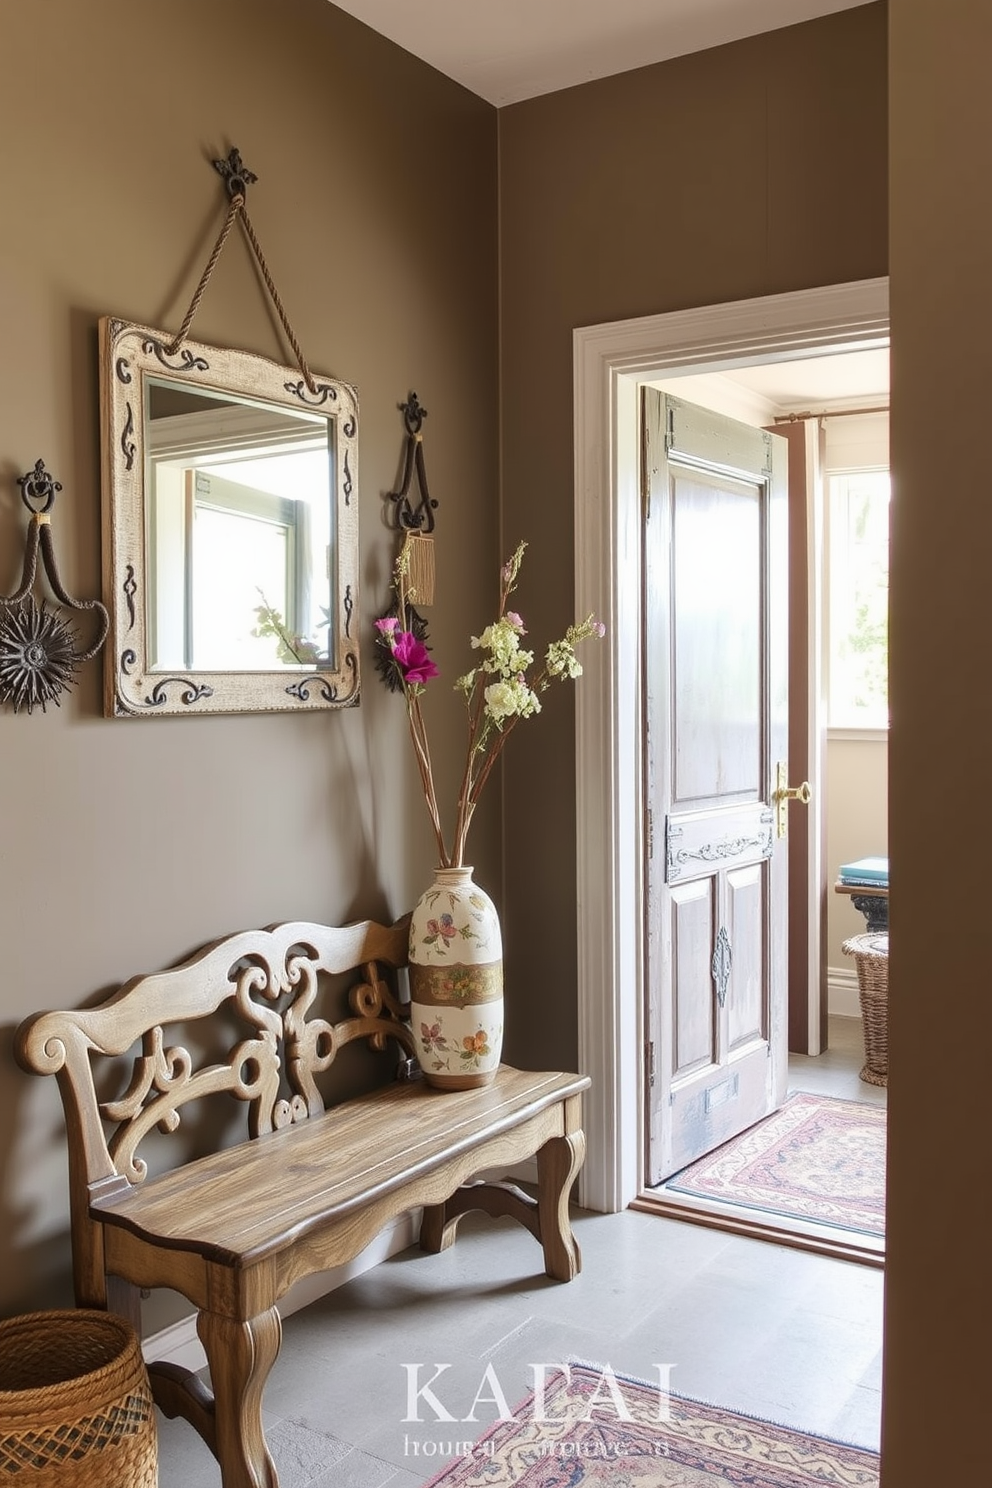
x=692, y=950
x=716, y=693
x=716, y=639
x=747, y=1020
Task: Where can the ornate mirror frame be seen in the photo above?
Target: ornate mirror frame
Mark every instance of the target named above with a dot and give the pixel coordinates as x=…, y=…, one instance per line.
x=133, y=357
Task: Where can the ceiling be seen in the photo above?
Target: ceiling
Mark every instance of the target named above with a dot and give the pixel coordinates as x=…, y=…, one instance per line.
x=837, y=381
x=509, y=50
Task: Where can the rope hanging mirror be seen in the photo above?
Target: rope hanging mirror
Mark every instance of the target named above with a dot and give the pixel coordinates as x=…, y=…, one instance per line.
x=237, y=179
x=230, y=514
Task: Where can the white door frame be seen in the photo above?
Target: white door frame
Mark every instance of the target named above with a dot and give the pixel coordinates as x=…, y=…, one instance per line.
x=610, y=362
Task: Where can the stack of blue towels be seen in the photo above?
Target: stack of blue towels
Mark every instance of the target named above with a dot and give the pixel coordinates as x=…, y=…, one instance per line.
x=869, y=873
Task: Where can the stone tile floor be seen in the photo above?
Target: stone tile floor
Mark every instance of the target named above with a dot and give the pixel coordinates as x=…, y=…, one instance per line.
x=744, y=1323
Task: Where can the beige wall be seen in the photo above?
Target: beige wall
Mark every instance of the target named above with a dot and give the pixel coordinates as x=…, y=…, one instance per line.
x=938, y=1313
x=719, y=176
x=857, y=812
x=126, y=843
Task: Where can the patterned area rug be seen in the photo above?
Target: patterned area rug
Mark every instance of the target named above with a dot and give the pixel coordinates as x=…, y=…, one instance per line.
x=817, y=1158
x=599, y=1430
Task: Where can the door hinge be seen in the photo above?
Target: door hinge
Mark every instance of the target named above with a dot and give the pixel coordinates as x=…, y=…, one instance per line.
x=649, y=1060
x=650, y=833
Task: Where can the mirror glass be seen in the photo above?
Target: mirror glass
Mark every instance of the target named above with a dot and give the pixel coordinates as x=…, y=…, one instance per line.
x=230, y=504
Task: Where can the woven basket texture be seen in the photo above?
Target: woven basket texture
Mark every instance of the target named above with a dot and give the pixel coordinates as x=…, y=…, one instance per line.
x=76, y=1408
x=871, y=957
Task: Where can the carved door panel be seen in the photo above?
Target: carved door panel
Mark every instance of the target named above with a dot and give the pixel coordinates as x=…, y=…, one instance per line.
x=716, y=701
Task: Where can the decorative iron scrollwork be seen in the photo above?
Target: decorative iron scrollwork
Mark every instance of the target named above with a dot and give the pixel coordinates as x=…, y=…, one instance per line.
x=130, y=588
x=187, y=361
x=722, y=851
x=304, y=688
x=128, y=446
x=193, y=691
x=721, y=965
x=322, y=393
x=410, y=518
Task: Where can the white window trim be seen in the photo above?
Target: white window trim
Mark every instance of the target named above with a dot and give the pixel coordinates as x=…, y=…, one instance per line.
x=610, y=362
x=858, y=735
x=840, y=730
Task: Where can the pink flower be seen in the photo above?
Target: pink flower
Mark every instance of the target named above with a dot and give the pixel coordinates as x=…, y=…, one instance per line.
x=516, y=622
x=413, y=657
x=387, y=625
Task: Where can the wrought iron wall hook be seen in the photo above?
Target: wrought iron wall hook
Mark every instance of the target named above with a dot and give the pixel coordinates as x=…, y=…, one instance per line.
x=38, y=655
x=38, y=485
x=410, y=518
x=417, y=550
x=237, y=176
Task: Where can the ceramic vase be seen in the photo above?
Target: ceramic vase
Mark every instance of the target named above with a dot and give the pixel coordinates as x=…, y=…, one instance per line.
x=456, y=982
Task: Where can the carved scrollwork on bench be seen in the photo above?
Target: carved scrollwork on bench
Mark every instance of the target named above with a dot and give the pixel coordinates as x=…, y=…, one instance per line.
x=274, y=1069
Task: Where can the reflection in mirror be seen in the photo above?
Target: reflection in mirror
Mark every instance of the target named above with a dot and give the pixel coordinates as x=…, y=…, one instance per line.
x=239, y=522
x=230, y=530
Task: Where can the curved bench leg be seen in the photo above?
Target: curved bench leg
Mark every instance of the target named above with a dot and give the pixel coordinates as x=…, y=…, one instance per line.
x=558, y=1162
x=240, y=1357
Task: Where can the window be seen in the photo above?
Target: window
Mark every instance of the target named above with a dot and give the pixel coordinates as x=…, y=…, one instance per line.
x=858, y=614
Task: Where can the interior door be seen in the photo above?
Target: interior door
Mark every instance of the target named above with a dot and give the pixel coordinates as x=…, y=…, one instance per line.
x=716, y=717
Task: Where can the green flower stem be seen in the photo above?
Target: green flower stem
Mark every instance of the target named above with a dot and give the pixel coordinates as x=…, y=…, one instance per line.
x=490, y=723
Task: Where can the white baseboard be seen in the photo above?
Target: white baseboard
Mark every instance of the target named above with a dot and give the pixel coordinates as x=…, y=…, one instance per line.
x=842, y=992
x=180, y=1344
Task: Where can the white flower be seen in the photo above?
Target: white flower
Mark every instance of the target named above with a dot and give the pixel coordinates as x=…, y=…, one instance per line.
x=510, y=699
x=501, y=641
x=561, y=660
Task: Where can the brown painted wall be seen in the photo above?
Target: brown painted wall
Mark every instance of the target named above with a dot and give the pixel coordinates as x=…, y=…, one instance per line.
x=750, y=169
x=126, y=843
x=938, y=1315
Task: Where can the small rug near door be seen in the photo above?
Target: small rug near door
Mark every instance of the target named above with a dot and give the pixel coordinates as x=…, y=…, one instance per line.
x=585, y=1441
x=817, y=1158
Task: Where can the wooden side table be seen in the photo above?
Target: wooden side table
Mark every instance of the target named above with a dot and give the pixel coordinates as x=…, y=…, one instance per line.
x=872, y=901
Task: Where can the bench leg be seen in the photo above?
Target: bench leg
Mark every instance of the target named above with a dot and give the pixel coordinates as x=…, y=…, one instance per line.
x=558, y=1162
x=240, y=1356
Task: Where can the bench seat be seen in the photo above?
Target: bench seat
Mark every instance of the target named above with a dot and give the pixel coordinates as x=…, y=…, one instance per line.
x=376, y=1156
x=312, y=1183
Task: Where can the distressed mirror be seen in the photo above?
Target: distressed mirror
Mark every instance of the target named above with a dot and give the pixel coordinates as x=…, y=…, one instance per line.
x=230, y=515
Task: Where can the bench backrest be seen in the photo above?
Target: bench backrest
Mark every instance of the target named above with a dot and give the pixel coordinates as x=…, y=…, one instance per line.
x=272, y=1067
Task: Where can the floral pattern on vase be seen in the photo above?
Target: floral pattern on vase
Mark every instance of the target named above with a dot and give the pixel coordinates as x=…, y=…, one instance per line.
x=456, y=982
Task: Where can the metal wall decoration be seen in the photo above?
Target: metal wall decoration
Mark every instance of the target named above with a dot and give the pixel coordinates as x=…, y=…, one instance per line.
x=722, y=965
x=416, y=522
x=410, y=518
x=39, y=655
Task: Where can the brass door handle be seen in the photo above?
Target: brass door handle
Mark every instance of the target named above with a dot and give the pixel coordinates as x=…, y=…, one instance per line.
x=784, y=793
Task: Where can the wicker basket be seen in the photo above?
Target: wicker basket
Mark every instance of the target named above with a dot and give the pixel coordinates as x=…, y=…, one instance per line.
x=871, y=955
x=75, y=1404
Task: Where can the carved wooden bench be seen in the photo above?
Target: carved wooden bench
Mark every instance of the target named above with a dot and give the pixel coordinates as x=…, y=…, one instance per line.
x=234, y=1229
